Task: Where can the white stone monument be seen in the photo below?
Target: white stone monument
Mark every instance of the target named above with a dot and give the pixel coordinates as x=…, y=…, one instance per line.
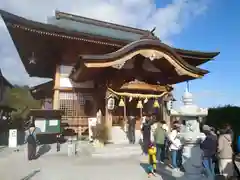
x=191, y=137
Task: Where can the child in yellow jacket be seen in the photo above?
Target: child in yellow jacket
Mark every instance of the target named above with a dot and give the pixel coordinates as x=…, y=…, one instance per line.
x=152, y=160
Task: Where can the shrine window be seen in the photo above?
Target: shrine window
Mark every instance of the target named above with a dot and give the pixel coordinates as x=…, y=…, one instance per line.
x=76, y=104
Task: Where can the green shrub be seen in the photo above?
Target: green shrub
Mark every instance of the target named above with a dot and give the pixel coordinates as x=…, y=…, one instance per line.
x=100, y=132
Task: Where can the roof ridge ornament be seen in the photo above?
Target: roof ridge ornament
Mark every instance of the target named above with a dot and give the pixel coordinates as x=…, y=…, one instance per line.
x=150, y=35
x=187, y=97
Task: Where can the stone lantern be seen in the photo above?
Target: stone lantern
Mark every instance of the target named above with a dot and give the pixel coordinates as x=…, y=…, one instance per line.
x=190, y=136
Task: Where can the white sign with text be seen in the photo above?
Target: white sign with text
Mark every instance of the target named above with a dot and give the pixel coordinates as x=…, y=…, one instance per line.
x=12, y=139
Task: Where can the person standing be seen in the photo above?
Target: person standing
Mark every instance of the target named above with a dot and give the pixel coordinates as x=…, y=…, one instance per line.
x=159, y=139
x=229, y=130
x=209, y=147
x=131, y=129
x=225, y=153
x=146, y=131
x=152, y=160
x=175, y=146
x=31, y=141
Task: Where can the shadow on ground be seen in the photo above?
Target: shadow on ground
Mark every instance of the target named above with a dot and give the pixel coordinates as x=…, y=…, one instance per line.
x=163, y=176
x=43, y=150
x=29, y=176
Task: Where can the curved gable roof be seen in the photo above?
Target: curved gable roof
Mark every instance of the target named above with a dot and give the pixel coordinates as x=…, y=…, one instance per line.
x=140, y=45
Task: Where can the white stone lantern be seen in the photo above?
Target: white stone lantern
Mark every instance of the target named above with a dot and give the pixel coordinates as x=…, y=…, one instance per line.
x=191, y=136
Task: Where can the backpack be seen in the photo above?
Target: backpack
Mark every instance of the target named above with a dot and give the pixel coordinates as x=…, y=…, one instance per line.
x=31, y=138
x=159, y=136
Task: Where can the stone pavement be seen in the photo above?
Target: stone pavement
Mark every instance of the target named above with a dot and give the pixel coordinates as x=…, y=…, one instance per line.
x=57, y=166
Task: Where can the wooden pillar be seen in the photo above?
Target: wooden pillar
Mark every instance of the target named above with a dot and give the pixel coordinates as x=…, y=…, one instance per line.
x=56, y=88
x=108, y=117
x=125, y=110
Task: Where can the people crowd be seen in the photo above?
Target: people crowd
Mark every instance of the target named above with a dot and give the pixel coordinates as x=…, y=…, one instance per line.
x=163, y=145
x=217, y=148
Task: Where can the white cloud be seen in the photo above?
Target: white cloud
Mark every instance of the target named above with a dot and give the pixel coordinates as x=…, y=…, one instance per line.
x=169, y=20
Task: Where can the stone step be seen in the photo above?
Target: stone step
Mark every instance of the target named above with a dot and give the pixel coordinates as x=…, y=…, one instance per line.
x=124, y=150
x=118, y=135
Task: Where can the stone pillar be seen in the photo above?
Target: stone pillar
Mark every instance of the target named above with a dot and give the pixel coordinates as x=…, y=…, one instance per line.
x=56, y=88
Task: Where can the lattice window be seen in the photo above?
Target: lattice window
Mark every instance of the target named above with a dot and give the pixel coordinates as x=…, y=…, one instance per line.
x=73, y=104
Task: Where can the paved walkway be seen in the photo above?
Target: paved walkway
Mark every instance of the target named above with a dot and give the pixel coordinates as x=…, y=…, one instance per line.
x=57, y=166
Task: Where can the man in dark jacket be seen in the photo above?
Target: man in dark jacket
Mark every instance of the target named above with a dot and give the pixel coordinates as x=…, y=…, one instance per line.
x=131, y=129
x=31, y=140
x=146, y=131
x=209, y=147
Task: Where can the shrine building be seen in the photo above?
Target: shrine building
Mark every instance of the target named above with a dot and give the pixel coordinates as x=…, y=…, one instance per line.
x=91, y=62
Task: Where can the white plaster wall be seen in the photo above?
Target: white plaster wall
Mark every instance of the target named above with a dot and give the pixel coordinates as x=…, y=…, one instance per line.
x=65, y=82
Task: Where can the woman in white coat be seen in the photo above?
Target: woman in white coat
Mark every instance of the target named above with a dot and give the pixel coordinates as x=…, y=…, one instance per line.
x=175, y=146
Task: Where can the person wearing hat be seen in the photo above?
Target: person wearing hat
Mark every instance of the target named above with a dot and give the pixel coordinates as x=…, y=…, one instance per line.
x=209, y=147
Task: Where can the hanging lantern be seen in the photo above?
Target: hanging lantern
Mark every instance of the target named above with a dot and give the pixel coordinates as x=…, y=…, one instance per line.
x=156, y=104
x=145, y=101
x=139, y=105
x=121, y=103
x=130, y=99
x=111, y=103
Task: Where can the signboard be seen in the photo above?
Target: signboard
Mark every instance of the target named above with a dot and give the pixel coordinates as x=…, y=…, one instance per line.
x=53, y=122
x=12, y=139
x=41, y=124
x=92, y=122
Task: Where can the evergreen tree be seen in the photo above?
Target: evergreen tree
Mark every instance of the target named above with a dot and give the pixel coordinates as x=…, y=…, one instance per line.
x=20, y=99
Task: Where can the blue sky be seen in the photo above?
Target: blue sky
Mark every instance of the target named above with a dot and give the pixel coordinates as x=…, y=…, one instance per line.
x=217, y=30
